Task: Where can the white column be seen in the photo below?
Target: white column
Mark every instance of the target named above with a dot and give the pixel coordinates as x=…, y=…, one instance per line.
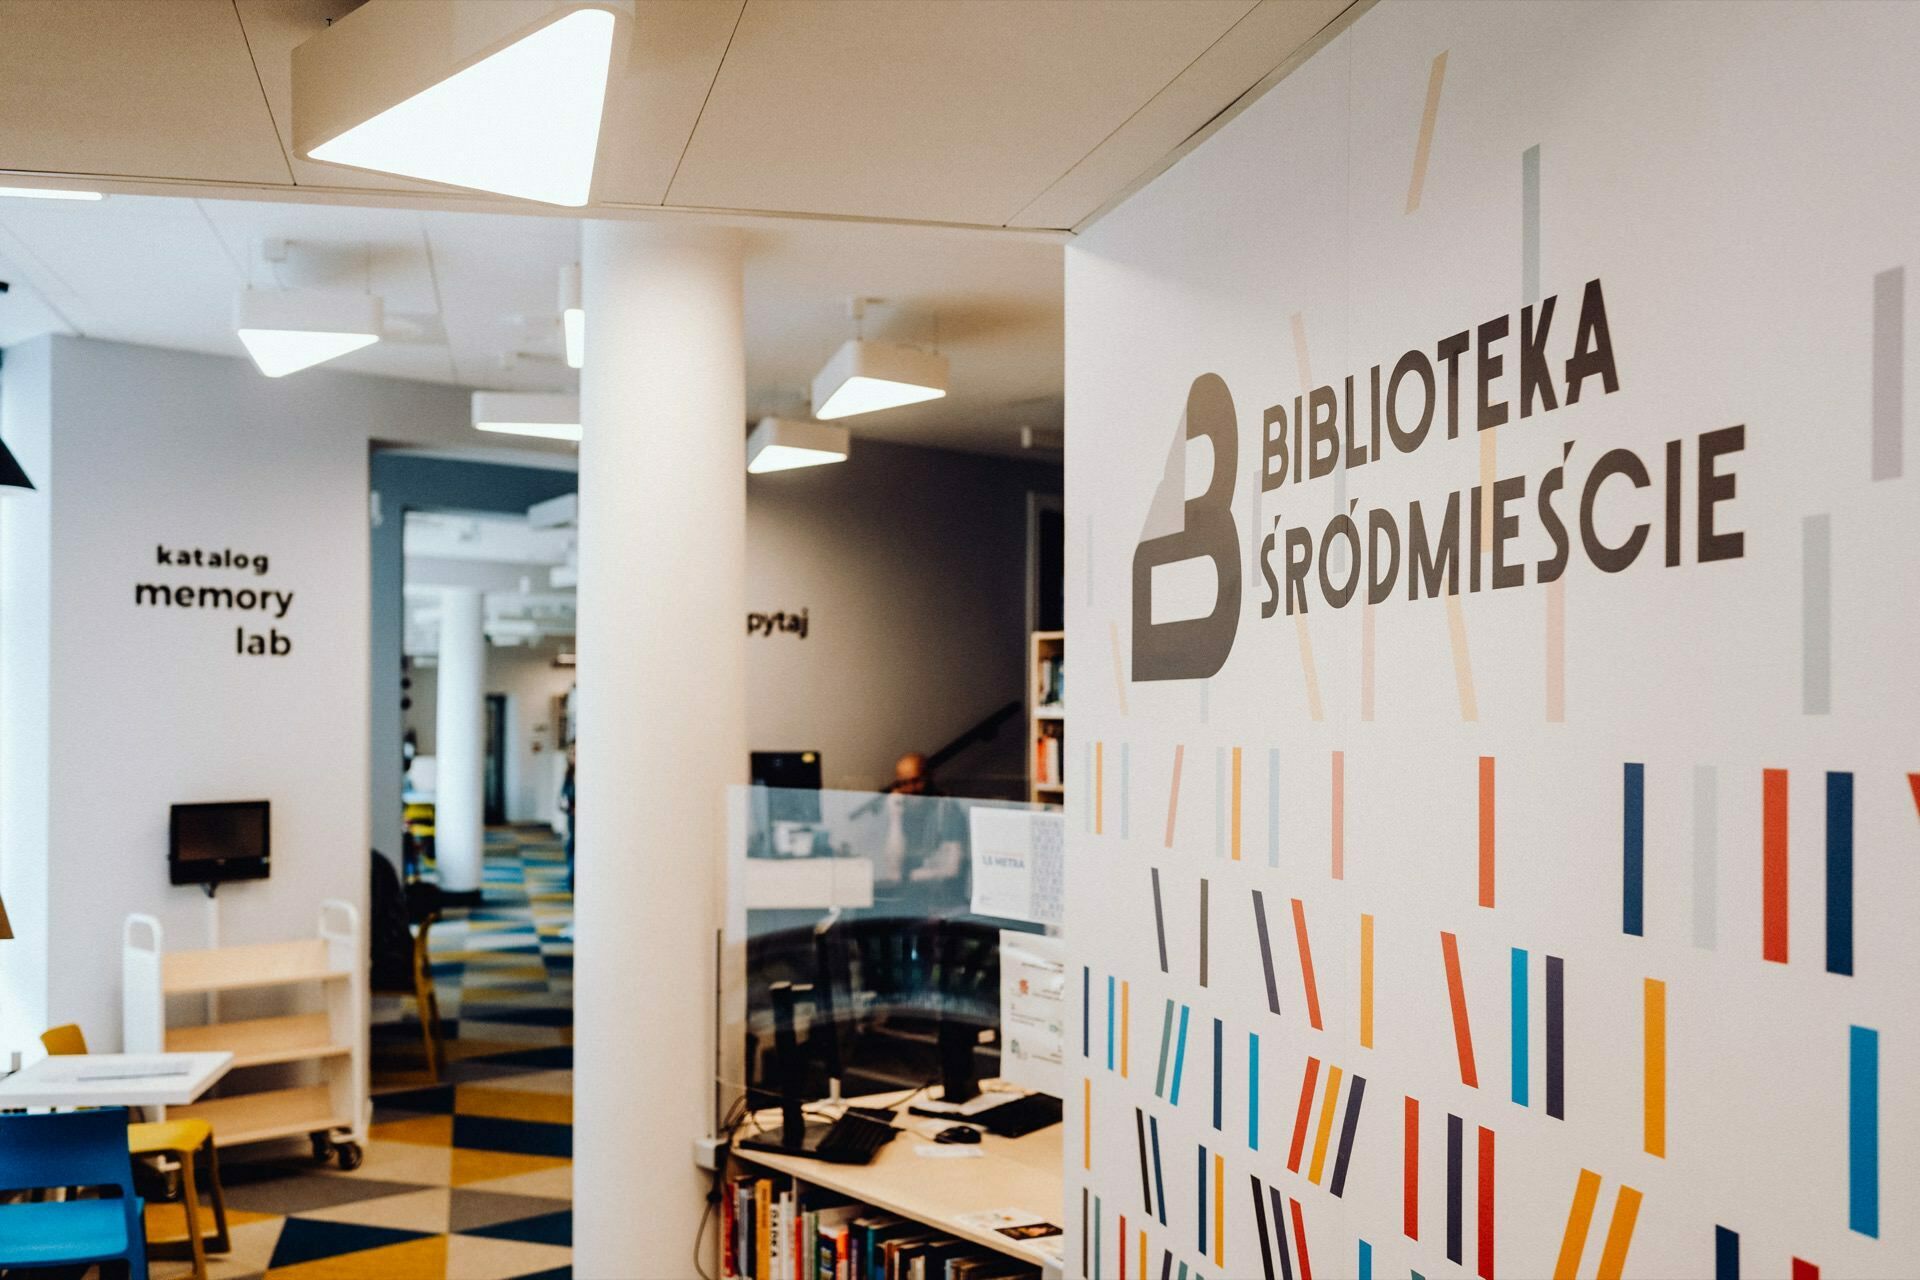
x=662, y=663
x=460, y=741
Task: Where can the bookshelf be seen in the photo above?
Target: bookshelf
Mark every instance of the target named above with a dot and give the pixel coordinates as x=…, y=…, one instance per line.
x=934, y=1193
x=1047, y=718
x=329, y=1105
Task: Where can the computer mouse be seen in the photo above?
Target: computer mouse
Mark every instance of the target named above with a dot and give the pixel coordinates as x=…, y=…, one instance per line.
x=958, y=1133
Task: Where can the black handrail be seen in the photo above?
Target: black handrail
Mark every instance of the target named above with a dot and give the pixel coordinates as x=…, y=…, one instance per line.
x=984, y=731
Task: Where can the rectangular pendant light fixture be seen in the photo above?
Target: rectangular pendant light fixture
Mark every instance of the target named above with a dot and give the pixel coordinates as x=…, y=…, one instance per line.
x=520, y=413
x=781, y=444
x=287, y=330
x=492, y=95
x=864, y=377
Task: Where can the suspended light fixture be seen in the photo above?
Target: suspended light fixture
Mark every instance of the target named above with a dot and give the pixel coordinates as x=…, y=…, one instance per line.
x=573, y=318
x=48, y=193
x=519, y=413
x=479, y=94
x=781, y=444
x=865, y=377
x=287, y=330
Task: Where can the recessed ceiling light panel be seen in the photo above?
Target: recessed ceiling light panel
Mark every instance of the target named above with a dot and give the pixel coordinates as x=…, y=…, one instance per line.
x=482, y=94
x=288, y=330
x=781, y=444
x=519, y=413
x=864, y=377
x=48, y=193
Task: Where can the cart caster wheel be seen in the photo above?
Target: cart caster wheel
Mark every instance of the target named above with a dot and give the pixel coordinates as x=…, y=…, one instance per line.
x=350, y=1154
x=322, y=1148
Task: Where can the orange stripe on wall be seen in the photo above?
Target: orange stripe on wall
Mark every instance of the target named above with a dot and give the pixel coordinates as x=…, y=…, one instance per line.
x=1306, y=963
x=1486, y=831
x=1773, y=875
x=1654, y=1127
x=1300, y=1116
x=1457, y=997
x=1236, y=804
x=1339, y=815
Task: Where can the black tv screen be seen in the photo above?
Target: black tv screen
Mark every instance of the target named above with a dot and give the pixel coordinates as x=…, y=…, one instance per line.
x=213, y=843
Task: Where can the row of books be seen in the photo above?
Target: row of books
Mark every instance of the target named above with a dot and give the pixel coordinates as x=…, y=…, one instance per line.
x=770, y=1232
x=1053, y=682
x=1047, y=763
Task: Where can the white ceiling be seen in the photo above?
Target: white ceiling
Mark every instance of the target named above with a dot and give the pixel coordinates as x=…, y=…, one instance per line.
x=996, y=113
x=466, y=292
x=927, y=154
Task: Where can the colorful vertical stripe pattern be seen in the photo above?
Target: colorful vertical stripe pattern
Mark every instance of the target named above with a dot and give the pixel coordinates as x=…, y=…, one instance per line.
x=1323, y=1140
x=1556, y=1038
x=1204, y=931
x=1173, y=792
x=1159, y=921
x=1483, y=1236
x=1573, y=1242
x=1219, y=1072
x=1274, y=1244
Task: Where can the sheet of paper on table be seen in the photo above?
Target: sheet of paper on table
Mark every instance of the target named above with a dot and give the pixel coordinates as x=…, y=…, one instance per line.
x=1033, y=1011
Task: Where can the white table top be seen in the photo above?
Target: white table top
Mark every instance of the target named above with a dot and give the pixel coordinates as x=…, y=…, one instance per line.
x=115, y=1080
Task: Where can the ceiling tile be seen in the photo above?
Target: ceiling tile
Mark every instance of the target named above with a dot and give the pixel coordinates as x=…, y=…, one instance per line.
x=1258, y=43
x=159, y=88
x=656, y=94
x=937, y=112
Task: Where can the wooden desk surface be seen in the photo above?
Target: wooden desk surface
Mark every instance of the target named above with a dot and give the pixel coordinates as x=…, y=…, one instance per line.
x=1010, y=1173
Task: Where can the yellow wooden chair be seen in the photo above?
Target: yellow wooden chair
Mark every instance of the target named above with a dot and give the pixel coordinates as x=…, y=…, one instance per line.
x=181, y=1140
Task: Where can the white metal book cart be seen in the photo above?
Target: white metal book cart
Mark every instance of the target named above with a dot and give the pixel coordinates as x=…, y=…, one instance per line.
x=329, y=1104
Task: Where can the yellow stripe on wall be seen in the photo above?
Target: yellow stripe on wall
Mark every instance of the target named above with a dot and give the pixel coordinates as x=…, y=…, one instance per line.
x=1366, y=981
x=1579, y=1219
x=1326, y=1127
x=1236, y=804
x=1086, y=1122
x=1219, y=1210
x=1613, y=1255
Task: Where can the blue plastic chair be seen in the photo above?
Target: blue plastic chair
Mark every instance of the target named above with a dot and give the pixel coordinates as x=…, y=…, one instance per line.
x=71, y=1149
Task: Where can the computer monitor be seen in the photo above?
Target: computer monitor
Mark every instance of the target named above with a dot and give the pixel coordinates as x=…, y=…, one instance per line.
x=793, y=778
x=214, y=843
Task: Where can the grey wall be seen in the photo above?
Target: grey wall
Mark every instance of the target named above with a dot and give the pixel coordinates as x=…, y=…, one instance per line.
x=912, y=564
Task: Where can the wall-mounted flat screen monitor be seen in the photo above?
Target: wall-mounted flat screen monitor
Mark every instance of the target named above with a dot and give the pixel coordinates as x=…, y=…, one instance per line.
x=214, y=843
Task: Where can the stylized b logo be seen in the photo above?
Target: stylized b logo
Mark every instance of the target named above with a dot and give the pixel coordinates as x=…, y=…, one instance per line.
x=1180, y=528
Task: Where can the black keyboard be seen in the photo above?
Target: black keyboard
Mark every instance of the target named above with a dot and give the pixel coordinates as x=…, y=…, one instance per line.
x=855, y=1136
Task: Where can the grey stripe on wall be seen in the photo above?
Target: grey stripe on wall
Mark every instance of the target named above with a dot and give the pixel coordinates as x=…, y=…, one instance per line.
x=1889, y=372
x=1706, y=855
x=1816, y=615
x=1530, y=224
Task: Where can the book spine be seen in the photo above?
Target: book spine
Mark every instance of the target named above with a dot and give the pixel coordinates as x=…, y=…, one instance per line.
x=763, y=1230
x=727, y=1271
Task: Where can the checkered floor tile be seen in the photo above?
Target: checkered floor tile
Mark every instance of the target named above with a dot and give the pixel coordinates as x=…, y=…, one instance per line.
x=465, y=1178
